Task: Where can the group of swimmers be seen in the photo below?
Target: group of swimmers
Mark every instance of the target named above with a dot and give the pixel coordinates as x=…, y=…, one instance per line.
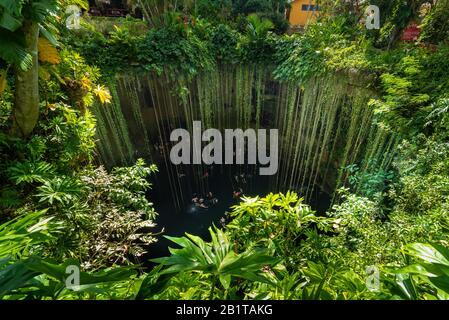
x=209, y=200
x=204, y=202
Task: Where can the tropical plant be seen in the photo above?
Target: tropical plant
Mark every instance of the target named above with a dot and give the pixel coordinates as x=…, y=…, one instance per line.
x=36, y=278
x=426, y=279
x=60, y=190
x=257, y=27
x=119, y=231
x=30, y=172
x=20, y=25
x=216, y=260
x=435, y=27
x=278, y=222
x=25, y=234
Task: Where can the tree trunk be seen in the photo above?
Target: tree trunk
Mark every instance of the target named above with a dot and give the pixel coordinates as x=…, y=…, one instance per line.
x=26, y=96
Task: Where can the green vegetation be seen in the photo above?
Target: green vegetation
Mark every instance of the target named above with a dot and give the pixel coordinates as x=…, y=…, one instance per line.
x=374, y=114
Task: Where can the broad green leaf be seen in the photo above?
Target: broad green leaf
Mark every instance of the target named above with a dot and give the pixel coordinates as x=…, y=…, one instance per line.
x=428, y=253
x=225, y=280
x=9, y=22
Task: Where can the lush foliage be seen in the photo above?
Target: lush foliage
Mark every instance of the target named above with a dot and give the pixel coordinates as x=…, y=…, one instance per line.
x=59, y=210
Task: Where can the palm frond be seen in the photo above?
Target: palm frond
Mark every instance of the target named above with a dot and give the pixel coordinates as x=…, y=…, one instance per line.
x=12, y=51
x=39, y=10
x=9, y=22
x=12, y=6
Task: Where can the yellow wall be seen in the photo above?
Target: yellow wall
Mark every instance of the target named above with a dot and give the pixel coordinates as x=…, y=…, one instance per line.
x=298, y=16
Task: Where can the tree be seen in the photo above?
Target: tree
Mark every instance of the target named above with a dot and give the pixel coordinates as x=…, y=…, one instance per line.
x=21, y=22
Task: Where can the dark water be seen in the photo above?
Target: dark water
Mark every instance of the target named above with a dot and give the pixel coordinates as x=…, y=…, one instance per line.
x=174, y=186
x=222, y=182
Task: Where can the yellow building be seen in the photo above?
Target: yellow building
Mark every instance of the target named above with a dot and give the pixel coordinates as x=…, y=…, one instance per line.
x=302, y=11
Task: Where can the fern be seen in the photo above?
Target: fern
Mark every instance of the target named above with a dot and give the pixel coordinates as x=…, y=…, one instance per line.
x=30, y=172
x=9, y=198
x=36, y=148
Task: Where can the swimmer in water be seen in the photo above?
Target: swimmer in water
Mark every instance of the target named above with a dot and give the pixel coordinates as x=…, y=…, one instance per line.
x=210, y=199
x=202, y=204
x=238, y=194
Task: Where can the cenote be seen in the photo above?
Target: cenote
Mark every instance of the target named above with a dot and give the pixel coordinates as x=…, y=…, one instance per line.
x=323, y=126
x=231, y=150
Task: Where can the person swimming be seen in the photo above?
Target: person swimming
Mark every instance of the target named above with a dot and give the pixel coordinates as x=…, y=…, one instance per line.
x=211, y=199
x=202, y=204
x=238, y=194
